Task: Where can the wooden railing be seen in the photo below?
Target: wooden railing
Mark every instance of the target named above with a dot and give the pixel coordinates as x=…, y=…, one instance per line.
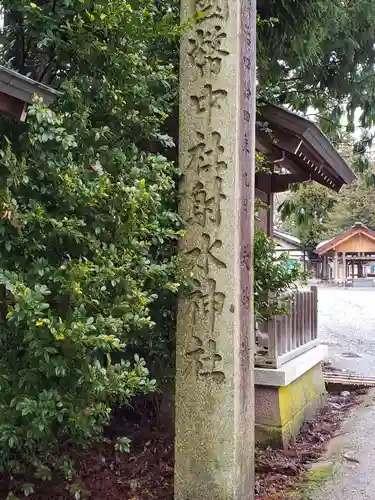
x=286, y=337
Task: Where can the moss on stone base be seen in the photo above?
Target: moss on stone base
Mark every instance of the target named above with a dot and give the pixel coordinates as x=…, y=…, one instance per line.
x=281, y=411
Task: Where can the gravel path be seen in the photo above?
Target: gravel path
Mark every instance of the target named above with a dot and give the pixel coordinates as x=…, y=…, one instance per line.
x=352, y=459
x=347, y=325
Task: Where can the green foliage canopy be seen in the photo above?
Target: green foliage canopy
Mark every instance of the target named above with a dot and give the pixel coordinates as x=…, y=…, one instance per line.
x=305, y=210
x=355, y=204
x=319, y=54
x=318, y=58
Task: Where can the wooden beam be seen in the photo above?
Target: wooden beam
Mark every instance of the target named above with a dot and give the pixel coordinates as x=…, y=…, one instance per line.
x=361, y=258
x=281, y=183
x=330, y=171
x=296, y=164
x=276, y=183
x=13, y=107
x=281, y=139
x=23, y=88
x=263, y=182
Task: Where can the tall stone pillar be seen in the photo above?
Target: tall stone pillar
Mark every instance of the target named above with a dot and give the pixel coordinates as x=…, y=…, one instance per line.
x=215, y=330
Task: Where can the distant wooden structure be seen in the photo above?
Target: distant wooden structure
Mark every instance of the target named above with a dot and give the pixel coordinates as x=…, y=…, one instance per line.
x=290, y=245
x=348, y=257
x=17, y=92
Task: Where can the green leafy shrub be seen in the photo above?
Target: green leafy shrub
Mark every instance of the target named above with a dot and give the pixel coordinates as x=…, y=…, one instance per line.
x=88, y=226
x=78, y=266
x=273, y=278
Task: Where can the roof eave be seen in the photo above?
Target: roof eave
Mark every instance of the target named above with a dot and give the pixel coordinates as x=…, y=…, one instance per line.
x=308, y=131
x=324, y=148
x=23, y=88
x=287, y=238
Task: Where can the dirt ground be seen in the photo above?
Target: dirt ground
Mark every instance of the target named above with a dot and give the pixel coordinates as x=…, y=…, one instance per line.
x=147, y=472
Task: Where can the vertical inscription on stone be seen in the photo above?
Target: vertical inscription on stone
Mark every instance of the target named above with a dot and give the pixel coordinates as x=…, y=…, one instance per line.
x=247, y=149
x=206, y=359
x=205, y=257
x=206, y=154
x=207, y=304
x=247, y=163
x=206, y=169
x=206, y=204
x=215, y=315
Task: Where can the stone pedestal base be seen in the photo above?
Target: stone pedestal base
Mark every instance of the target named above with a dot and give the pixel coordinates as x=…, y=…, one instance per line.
x=280, y=411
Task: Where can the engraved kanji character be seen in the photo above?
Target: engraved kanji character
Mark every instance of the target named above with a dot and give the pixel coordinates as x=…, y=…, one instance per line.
x=213, y=8
x=206, y=357
x=247, y=62
x=206, y=51
x=205, y=207
x=207, y=303
x=248, y=91
x=206, y=154
x=245, y=298
x=245, y=206
x=245, y=256
x=208, y=100
x=248, y=40
x=246, y=18
x=205, y=257
x=246, y=178
x=246, y=140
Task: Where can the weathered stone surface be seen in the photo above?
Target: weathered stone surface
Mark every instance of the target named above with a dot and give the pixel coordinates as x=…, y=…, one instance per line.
x=281, y=411
x=214, y=396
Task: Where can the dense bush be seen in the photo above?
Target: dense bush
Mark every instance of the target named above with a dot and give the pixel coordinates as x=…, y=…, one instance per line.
x=78, y=267
x=88, y=225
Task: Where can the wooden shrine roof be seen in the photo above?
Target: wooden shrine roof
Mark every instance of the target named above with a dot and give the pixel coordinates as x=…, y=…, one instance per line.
x=357, y=229
x=287, y=238
x=16, y=91
x=299, y=150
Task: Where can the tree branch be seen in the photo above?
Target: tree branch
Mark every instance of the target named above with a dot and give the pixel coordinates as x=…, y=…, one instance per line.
x=46, y=69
